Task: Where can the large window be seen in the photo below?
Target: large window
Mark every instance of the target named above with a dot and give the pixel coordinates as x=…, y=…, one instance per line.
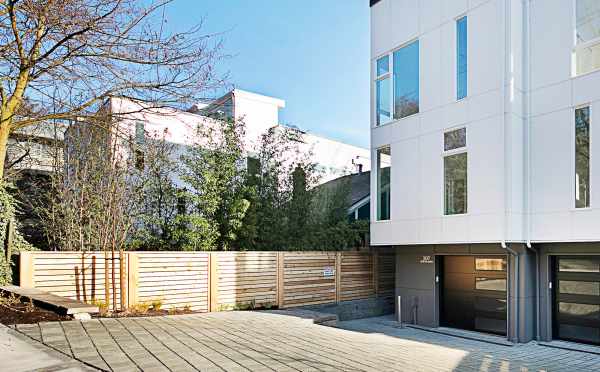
x=587, y=36
x=406, y=80
x=461, y=58
x=383, y=91
x=455, y=172
x=384, y=163
x=582, y=157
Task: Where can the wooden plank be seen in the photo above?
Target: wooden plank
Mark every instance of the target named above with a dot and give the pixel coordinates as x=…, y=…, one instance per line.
x=213, y=278
x=338, y=277
x=26, y=273
x=280, y=279
x=133, y=278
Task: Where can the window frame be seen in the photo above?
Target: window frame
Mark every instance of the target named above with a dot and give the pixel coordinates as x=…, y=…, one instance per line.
x=456, y=23
x=376, y=80
x=390, y=74
x=578, y=47
x=444, y=155
x=574, y=158
x=376, y=206
x=391, y=54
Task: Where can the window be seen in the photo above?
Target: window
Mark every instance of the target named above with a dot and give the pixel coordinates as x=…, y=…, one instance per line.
x=455, y=139
x=490, y=284
x=461, y=58
x=490, y=264
x=582, y=157
x=383, y=91
x=140, y=133
x=455, y=172
x=383, y=183
x=587, y=36
x=406, y=80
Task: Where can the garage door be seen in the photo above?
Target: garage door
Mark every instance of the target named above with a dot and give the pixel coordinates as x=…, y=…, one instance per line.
x=474, y=293
x=577, y=299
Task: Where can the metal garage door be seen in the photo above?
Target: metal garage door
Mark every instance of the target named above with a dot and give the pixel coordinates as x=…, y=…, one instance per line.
x=474, y=293
x=577, y=299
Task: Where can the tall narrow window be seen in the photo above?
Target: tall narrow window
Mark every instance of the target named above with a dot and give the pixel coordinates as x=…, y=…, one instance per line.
x=461, y=58
x=587, y=36
x=406, y=80
x=383, y=91
x=455, y=172
x=140, y=140
x=384, y=163
x=582, y=157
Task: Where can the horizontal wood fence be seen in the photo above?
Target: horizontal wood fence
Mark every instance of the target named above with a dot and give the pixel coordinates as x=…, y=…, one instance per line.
x=214, y=281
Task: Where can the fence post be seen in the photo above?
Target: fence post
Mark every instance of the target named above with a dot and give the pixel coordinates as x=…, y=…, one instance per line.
x=213, y=282
x=26, y=279
x=338, y=276
x=132, y=278
x=122, y=278
x=375, y=265
x=280, y=279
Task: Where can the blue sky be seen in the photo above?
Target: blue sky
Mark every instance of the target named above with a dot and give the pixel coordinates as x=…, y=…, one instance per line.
x=314, y=54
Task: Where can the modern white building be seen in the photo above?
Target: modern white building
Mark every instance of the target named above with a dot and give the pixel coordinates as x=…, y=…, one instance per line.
x=259, y=114
x=485, y=179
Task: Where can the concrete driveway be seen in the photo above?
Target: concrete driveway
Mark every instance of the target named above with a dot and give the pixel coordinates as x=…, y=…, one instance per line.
x=263, y=341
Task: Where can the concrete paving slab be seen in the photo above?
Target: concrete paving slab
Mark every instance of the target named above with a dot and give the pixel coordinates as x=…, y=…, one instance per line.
x=20, y=353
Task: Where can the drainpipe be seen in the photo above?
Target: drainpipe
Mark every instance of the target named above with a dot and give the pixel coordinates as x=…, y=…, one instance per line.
x=516, y=256
x=527, y=177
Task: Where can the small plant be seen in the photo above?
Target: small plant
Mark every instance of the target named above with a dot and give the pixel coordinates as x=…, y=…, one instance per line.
x=172, y=310
x=13, y=299
x=141, y=307
x=30, y=307
x=156, y=305
x=102, y=307
x=187, y=308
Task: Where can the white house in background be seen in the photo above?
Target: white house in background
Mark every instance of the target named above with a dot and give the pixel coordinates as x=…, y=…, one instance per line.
x=259, y=113
x=486, y=171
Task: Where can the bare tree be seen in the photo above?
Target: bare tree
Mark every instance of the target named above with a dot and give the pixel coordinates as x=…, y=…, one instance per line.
x=95, y=195
x=63, y=59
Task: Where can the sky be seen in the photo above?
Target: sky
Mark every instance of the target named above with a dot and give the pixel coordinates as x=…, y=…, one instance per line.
x=314, y=54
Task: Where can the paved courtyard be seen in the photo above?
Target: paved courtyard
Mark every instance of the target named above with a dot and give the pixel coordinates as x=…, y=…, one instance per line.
x=262, y=341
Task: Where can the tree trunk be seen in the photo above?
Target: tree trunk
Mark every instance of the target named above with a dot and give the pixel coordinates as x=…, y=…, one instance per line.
x=4, y=132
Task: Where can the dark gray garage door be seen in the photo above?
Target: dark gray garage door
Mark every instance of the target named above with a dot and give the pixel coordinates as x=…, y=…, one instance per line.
x=474, y=293
x=577, y=299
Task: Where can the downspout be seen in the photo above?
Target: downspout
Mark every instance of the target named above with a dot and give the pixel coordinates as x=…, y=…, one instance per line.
x=527, y=114
x=516, y=256
x=507, y=39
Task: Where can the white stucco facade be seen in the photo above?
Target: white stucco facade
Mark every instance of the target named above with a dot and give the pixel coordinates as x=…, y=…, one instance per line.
x=518, y=114
x=258, y=112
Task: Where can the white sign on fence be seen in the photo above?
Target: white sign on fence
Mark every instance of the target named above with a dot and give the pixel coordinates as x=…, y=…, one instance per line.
x=328, y=271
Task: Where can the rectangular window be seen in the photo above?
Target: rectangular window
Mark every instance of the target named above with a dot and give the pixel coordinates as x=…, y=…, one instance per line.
x=384, y=163
x=406, y=80
x=490, y=284
x=490, y=264
x=383, y=91
x=455, y=139
x=455, y=184
x=461, y=58
x=140, y=133
x=587, y=36
x=582, y=157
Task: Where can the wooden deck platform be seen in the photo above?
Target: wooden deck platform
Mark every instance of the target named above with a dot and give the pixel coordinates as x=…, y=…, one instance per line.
x=61, y=305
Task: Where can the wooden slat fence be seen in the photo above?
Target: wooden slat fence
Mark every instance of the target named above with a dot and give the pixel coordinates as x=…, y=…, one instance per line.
x=177, y=279
x=245, y=278
x=308, y=278
x=214, y=281
x=79, y=276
